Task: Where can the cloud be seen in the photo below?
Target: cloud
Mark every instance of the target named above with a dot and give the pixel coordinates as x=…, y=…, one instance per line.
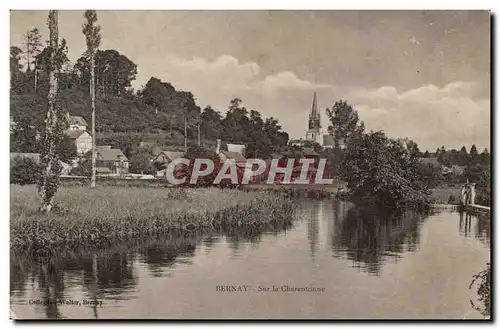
x=454, y=115
x=451, y=116
x=216, y=82
x=285, y=80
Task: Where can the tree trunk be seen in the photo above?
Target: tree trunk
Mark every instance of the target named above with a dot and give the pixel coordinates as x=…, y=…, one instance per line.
x=50, y=175
x=92, y=95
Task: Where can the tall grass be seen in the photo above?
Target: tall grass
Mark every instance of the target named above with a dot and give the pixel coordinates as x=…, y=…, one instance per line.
x=107, y=215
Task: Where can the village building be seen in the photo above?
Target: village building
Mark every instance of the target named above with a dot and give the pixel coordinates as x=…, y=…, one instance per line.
x=238, y=148
x=162, y=158
x=111, y=161
x=82, y=140
x=234, y=153
x=234, y=157
x=77, y=131
x=76, y=123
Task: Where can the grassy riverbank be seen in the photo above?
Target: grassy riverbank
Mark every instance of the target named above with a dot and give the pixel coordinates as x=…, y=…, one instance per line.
x=106, y=215
x=446, y=194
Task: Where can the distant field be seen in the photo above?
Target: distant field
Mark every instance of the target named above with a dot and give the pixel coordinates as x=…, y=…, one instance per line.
x=442, y=194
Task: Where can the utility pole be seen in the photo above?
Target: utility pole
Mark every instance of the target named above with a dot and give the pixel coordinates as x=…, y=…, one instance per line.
x=185, y=135
x=199, y=137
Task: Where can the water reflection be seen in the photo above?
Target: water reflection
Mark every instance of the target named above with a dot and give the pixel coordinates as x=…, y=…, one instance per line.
x=370, y=237
x=111, y=274
x=363, y=238
x=480, y=223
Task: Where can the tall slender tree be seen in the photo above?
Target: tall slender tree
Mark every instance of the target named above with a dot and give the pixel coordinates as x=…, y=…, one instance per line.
x=33, y=45
x=54, y=124
x=92, y=34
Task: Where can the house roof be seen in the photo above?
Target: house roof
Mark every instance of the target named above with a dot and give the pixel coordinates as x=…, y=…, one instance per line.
x=111, y=155
x=77, y=120
x=74, y=134
x=172, y=155
x=309, y=151
x=156, y=150
x=234, y=155
x=328, y=140
x=431, y=161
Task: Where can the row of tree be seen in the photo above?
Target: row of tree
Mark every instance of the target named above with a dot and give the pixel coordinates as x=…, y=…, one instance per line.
x=158, y=108
x=461, y=157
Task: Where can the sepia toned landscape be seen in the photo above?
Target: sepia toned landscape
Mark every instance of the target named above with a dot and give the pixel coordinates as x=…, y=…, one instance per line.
x=250, y=165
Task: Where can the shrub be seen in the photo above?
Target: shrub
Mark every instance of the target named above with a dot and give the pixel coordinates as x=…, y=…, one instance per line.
x=482, y=282
x=83, y=169
x=382, y=171
x=25, y=171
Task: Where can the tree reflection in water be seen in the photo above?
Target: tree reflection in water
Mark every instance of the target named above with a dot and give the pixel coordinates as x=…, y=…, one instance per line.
x=110, y=274
x=370, y=237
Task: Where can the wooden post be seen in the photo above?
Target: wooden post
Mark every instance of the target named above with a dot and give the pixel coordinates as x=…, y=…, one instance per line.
x=199, y=135
x=185, y=134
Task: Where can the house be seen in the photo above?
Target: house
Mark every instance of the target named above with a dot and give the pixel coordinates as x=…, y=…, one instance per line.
x=238, y=148
x=113, y=159
x=165, y=157
x=235, y=157
x=82, y=140
x=77, y=132
x=161, y=159
x=76, y=123
x=36, y=157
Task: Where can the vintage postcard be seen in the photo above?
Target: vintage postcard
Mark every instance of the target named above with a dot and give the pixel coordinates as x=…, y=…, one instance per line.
x=250, y=164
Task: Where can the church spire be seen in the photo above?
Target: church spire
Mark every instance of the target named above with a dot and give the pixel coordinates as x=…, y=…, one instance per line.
x=314, y=121
x=314, y=108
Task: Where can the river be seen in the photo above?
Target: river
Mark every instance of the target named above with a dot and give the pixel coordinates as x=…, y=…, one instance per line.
x=361, y=266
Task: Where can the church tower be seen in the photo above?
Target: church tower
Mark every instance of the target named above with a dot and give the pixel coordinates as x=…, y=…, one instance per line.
x=313, y=133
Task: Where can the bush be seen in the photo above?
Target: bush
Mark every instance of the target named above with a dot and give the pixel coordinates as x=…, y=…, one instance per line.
x=25, y=171
x=83, y=169
x=482, y=282
x=382, y=171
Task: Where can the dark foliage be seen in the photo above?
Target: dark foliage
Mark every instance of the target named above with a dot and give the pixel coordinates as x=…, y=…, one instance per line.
x=25, y=171
x=482, y=281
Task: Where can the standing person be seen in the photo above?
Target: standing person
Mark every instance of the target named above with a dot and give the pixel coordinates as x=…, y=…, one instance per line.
x=463, y=195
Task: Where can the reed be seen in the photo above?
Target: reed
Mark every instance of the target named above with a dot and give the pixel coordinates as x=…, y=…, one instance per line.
x=107, y=215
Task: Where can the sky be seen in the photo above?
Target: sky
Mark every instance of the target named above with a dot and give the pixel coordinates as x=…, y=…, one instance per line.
x=424, y=75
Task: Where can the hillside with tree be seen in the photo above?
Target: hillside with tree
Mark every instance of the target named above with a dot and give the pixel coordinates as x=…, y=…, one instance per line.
x=124, y=117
